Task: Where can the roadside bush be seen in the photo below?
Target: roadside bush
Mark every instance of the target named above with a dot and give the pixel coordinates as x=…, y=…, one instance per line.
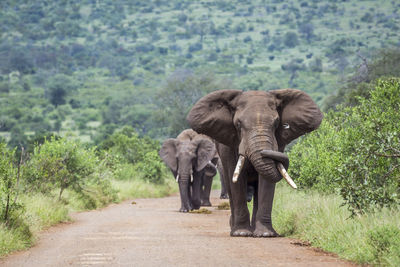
x=130, y=156
x=356, y=152
x=60, y=164
x=9, y=179
x=151, y=168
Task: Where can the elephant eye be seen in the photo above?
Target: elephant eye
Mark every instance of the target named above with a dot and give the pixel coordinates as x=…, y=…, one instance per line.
x=286, y=126
x=238, y=125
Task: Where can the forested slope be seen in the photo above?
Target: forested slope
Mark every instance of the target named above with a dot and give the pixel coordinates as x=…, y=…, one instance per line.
x=89, y=67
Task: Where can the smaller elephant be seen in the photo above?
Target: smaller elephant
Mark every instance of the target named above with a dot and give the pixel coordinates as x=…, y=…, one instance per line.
x=192, y=159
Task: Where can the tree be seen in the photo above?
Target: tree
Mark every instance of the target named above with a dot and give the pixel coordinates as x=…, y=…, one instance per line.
x=59, y=86
x=182, y=90
x=60, y=163
x=292, y=68
x=290, y=39
x=385, y=63
x=307, y=30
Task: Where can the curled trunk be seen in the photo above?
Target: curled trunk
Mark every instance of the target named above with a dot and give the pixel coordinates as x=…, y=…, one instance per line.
x=266, y=167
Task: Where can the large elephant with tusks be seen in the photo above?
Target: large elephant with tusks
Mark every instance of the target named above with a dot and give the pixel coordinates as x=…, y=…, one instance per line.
x=252, y=129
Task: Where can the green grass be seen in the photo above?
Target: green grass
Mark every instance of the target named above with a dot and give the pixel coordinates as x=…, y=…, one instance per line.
x=40, y=213
x=44, y=211
x=139, y=189
x=13, y=239
x=321, y=220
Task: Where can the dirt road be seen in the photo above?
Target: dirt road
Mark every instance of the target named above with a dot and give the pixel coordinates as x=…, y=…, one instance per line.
x=153, y=233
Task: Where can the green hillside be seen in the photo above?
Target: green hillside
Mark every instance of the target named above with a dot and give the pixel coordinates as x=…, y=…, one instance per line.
x=85, y=68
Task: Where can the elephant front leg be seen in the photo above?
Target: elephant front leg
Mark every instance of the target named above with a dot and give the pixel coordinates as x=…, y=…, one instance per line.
x=240, y=225
x=263, y=222
x=184, y=191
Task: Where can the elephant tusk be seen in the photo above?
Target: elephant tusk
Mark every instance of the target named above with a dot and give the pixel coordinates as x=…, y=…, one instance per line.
x=177, y=178
x=191, y=177
x=212, y=164
x=286, y=176
x=238, y=168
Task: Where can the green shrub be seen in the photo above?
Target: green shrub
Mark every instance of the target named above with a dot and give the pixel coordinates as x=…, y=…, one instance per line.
x=151, y=168
x=356, y=151
x=60, y=164
x=9, y=176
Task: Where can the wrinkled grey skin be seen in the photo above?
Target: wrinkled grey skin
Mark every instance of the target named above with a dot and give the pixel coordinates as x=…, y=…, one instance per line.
x=256, y=125
x=191, y=153
x=224, y=192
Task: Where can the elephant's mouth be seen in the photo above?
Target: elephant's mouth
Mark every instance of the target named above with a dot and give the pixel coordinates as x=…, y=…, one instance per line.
x=282, y=163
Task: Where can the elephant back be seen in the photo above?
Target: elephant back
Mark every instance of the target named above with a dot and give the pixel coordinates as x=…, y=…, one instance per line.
x=187, y=135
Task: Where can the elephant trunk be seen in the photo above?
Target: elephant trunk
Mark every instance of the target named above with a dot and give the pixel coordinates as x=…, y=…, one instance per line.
x=260, y=140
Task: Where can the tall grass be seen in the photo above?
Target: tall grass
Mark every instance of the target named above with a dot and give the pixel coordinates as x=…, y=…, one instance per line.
x=40, y=213
x=138, y=189
x=320, y=219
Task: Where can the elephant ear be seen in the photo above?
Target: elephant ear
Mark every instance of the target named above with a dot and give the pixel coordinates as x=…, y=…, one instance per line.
x=213, y=115
x=299, y=115
x=205, y=152
x=168, y=153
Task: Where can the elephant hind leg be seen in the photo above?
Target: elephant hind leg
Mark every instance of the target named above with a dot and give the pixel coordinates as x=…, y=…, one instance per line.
x=206, y=190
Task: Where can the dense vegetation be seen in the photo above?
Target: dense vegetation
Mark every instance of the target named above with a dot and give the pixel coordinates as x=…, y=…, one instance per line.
x=89, y=67
x=356, y=151
x=38, y=190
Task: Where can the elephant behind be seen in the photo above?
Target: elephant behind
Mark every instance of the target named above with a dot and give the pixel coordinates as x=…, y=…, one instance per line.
x=192, y=159
x=252, y=129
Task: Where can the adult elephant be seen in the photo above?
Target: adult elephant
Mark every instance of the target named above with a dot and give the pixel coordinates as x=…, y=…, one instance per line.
x=252, y=129
x=192, y=159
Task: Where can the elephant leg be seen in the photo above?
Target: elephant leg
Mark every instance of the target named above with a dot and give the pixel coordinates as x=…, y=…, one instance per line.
x=224, y=192
x=240, y=218
x=196, y=191
x=255, y=207
x=206, y=190
x=263, y=222
x=184, y=190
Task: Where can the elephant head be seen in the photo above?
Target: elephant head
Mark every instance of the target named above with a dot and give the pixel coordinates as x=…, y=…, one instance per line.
x=258, y=124
x=187, y=155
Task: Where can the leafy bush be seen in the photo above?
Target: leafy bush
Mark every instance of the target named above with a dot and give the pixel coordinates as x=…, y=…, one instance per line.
x=129, y=155
x=151, y=167
x=9, y=176
x=60, y=163
x=356, y=151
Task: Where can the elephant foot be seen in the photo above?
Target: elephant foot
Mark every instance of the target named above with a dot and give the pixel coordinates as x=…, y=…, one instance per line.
x=264, y=231
x=223, y=196
x=184, y=210
x=241, y=233
x=195, y=207
x=206, y=203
